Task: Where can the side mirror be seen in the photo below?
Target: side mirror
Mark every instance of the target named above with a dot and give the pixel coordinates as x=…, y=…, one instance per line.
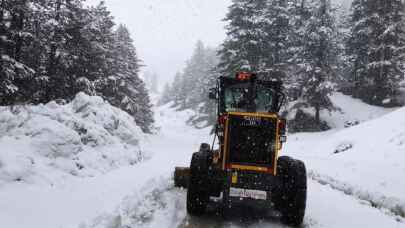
x=282, y=126
x=282, y=129
x=213, y=94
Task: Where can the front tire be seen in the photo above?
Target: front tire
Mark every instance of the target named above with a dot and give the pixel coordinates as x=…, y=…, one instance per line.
x=291, y=195
x=197, y=193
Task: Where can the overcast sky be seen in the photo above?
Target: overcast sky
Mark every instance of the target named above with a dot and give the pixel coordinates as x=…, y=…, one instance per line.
x=165, y=31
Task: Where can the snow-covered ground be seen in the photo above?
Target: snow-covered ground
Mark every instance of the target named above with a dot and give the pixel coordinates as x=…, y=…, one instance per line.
x=366, y=161
x=346, y=189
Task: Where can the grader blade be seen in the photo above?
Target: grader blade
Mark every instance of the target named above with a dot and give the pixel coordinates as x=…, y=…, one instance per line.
x=181, y=176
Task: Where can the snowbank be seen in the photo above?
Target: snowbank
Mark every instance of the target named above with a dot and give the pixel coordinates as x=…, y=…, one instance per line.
x=52, y=142
x=366, y=161
x=351, y=110
x=348, y=110
x=156, y=204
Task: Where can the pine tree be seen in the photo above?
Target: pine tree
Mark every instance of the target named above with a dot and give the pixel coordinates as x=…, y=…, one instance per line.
x=166, y=95
x=343, y=59
x=278, y=29
x=97, y=50
x=154, y=86
x=319, y=59
x=58, y=28
x=386, y=53
x=124, y=88
x=14, y=74
x=357, y=47
x=205, y=107
x=36, y=53
x=178, y=92
x=209, y=107
x=52, y=49
x=151, y=81
x=376, y=47
x=194, y=74
x=263, y=37
x=245, y=47
x=189, y=89
x=144, y=114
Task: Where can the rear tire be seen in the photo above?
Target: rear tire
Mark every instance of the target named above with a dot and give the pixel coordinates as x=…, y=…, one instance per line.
x=197, y=193
x=291, y=195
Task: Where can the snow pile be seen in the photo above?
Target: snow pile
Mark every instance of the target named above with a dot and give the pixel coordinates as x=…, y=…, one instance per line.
x=157, y=204
x=351, y=110
x=348, y=111
x=366, y=160
x=85, y=137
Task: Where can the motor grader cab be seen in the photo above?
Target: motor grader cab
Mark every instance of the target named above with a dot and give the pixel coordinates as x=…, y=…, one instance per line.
x=246, y=166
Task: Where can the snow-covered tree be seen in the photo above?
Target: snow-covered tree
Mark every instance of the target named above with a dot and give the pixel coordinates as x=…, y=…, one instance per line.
x=151, y=81
x=92, y=50
x=179, y=95
x=386, y=53
x=124, y=88
x=318, y=59
x=278, y=30
x=189, y=89
x=245, y=47
x=357, y=47
x=14, y=74
x=166, y=95
x=53, y=49
x=376, y=49
x=264, y=36
x=195, y=74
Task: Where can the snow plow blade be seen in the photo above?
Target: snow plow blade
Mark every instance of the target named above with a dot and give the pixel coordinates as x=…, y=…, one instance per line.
x=181, y=177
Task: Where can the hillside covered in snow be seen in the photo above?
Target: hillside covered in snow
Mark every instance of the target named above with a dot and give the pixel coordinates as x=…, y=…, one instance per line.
x=365, y=161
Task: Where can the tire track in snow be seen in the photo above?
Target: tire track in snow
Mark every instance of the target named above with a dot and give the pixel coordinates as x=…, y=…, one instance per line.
x=158, y=204
x=390, y=206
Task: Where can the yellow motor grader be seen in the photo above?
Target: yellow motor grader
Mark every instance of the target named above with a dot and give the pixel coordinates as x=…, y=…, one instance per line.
x=247, y=166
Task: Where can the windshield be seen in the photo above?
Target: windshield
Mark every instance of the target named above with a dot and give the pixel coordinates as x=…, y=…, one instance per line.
x=243, y=98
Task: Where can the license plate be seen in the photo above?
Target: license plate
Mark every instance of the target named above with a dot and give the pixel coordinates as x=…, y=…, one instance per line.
x=247, y=193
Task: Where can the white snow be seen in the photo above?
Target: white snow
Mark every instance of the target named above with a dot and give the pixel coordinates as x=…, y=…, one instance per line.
x=351, y=110
x=348, y=110
x=49, y=144
x=365, y=160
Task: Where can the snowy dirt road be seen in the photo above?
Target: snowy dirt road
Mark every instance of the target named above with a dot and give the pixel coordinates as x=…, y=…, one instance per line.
x=161, y=205
x=143, y=195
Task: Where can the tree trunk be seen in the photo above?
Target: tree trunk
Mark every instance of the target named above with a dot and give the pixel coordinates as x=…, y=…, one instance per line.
x=1, y=33
x=19, y=20
x=52, y=57
x=317, y=115
x=19, y=75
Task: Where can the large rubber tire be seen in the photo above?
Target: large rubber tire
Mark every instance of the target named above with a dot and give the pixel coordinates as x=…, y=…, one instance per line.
x=197, y=193
x=291, y=196
x=205, y=147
